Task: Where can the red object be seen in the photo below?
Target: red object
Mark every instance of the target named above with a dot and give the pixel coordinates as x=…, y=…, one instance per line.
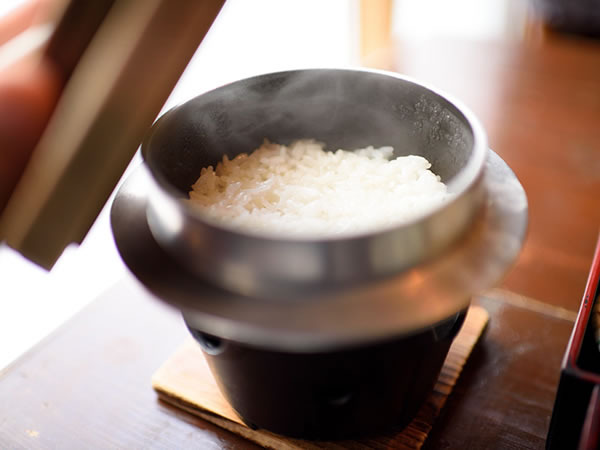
x=576, y=415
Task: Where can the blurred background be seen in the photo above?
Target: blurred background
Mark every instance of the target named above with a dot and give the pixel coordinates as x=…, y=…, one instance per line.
x=421, y=38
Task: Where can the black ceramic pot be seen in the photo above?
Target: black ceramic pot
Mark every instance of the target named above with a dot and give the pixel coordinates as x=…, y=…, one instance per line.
x=328, y=395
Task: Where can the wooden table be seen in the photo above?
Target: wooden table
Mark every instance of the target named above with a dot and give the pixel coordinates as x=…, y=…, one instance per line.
x=89, y=384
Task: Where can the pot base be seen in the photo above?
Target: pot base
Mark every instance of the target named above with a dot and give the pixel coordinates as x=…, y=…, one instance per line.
x=330, y=395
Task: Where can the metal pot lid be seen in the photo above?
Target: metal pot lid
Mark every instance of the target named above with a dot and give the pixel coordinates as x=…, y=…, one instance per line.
x=399, y=305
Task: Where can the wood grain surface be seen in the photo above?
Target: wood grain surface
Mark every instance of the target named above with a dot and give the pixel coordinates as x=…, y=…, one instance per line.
x=505, y=395
x=88, y=385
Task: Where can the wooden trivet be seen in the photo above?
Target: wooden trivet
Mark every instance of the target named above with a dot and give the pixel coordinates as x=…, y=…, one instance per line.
x=185, y=381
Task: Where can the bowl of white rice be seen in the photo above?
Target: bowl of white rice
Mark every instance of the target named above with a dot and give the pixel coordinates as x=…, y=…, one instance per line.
x=291, y=182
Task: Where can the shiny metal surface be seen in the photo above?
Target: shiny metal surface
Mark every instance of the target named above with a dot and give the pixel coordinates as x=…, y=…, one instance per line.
x=344, y=109
x=397, y=305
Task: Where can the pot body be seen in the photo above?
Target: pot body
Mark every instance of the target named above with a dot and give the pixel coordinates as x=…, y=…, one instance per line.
x=345, y=393
x=347, y=109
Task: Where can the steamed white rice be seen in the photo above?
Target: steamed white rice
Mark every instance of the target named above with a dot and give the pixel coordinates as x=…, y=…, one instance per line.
x=303, y=190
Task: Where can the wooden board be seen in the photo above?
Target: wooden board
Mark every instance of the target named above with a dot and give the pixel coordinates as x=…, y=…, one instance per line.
x=101, y=117
x=185, y=381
